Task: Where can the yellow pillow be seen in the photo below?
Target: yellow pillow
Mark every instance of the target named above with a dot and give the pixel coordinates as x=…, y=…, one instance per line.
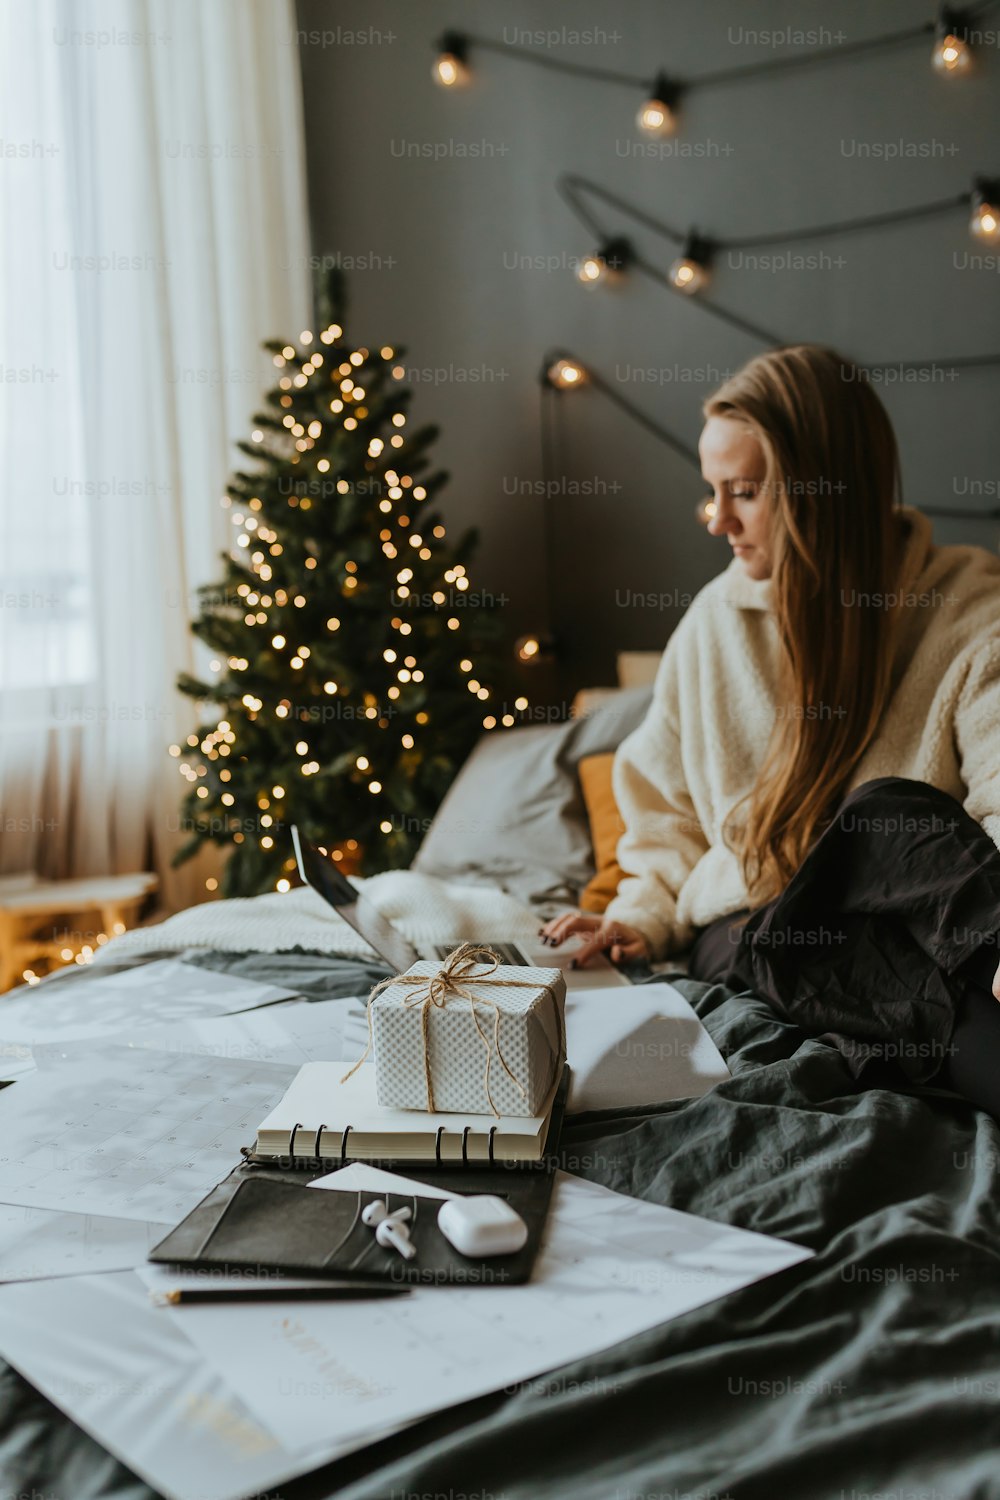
x=606, y=827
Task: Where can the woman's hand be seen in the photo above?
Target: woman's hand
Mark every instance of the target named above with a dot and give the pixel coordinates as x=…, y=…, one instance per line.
x=625, y=942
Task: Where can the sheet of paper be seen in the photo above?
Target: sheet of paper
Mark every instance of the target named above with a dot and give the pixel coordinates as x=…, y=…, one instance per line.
x=609, y=1268
x=295, y=1033
x=40, y=1242
x=149, y=995
x=121, y=1369
x=134, y=1135
x=360, y=1177
x=641, y=1045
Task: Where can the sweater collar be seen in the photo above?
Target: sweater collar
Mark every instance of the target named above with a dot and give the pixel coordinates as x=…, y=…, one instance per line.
x=916, y=534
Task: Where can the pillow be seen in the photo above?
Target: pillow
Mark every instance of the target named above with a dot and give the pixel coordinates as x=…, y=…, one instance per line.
x=606, y=828
x=514, y=816
x=638, y=668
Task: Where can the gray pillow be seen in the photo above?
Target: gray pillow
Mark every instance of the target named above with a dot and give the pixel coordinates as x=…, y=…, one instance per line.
x=515, y=817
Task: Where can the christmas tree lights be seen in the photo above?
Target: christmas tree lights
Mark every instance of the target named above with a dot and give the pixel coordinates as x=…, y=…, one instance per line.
x=343, y=632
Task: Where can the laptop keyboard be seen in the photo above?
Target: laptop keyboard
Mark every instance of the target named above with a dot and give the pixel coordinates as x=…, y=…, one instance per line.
x=508, y=953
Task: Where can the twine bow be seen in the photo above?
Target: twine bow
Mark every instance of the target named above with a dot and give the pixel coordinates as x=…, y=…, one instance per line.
x=452, y=979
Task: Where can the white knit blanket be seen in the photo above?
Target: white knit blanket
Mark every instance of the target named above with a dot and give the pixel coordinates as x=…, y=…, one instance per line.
x=425, y=909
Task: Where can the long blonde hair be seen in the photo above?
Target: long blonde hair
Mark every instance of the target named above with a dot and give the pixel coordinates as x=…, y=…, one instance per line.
x=832, y=481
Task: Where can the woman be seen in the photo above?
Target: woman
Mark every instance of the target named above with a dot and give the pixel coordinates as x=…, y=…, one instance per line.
x=813, y=799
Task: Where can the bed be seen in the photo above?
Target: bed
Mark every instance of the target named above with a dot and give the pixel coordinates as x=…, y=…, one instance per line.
x=873, y=1368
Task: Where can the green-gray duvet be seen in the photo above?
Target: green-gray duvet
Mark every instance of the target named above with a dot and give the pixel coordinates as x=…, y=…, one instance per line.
x=873, y=1369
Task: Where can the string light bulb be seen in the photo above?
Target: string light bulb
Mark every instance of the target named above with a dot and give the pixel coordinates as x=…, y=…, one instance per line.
x=690, y=271
x=532, y=648
x=566, y=374
x=605, y=264
x=706, y=510
x=451, y=66
x=952, y=53
x=658, y=114
x=985, y=220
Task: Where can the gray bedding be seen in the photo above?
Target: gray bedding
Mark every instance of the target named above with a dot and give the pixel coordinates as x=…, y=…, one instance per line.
x=874, y=1367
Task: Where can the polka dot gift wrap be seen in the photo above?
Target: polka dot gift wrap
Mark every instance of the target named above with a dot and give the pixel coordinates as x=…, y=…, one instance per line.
x=469, y=1037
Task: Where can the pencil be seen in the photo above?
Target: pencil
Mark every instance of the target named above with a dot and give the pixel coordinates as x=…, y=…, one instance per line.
x=277, y=1294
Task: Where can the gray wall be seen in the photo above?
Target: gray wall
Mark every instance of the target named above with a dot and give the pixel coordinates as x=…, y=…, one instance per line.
x=449, y=252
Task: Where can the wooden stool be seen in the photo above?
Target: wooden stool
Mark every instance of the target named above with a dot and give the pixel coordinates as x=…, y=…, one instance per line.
x=114, y=898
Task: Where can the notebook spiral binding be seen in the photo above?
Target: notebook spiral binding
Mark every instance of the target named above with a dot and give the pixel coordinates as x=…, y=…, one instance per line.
x=302, y=1159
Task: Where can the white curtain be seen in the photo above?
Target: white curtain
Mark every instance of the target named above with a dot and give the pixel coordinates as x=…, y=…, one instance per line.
x=154, y=231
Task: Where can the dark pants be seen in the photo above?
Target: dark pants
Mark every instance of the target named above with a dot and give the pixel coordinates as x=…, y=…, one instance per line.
x=885, y=942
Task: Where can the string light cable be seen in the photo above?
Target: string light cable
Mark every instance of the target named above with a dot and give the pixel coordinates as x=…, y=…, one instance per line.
x=562, y=372
x=953, y=32
x=691, y=269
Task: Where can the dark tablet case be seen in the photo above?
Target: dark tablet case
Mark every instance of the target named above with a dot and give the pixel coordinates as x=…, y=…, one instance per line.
x=268, y=1226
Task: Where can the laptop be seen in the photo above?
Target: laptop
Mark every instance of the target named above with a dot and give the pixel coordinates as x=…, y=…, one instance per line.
x=320, y=872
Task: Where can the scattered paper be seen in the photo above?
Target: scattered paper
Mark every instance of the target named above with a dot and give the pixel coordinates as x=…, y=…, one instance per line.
x=66, y=1009
x=641, y=1045
x=610, y=1267
x=134, y=1135
x=122, y=1370
x=37, y=1242
x=297, y=1033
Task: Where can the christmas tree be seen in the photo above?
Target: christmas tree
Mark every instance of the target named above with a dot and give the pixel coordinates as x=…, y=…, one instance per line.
x=347, y=683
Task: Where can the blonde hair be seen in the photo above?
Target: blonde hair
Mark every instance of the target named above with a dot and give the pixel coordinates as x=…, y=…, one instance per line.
x=832, y=483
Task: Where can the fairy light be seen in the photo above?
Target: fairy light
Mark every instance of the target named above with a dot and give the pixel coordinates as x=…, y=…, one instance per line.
x=566, y=374
x=605, y=264
x=658, y=113
x=952, y=53
x=689, y=272
x=985, y=220
x=451, y=66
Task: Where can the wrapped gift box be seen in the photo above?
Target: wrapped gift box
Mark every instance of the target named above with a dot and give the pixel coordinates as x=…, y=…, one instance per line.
x=532, y=1033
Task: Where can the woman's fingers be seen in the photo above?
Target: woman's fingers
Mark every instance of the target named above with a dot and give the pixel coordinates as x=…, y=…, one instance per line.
x=623, y=943
x=586, y=951
x=560, y=928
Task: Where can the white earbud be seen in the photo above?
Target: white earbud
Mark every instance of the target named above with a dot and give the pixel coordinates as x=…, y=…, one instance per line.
x=392, y=1232
x=377, y=1213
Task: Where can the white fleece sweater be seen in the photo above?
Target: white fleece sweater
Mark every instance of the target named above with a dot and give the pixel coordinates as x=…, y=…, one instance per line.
x=699, y=749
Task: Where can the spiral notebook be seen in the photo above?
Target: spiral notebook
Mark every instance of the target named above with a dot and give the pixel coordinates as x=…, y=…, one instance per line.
x=323, y=1119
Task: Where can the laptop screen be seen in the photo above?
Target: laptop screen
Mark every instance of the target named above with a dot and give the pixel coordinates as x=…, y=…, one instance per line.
x=320, y=872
